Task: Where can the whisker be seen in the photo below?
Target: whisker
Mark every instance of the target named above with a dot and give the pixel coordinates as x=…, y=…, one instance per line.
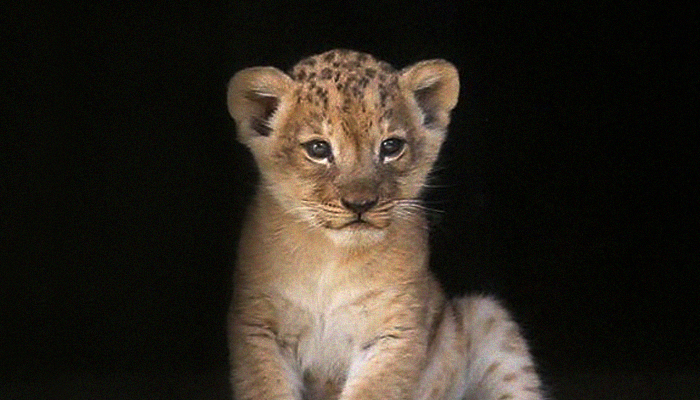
x=417, y=205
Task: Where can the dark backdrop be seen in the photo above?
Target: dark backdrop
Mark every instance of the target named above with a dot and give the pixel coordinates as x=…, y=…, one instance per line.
x=568, y=185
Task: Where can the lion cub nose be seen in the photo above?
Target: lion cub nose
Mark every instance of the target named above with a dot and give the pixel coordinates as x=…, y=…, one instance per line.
x=359, y=205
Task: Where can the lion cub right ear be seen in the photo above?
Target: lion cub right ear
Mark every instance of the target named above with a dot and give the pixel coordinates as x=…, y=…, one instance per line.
x=434, y=85
x=254, y=96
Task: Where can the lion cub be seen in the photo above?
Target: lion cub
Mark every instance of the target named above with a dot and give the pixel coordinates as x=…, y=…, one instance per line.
x=333, y=298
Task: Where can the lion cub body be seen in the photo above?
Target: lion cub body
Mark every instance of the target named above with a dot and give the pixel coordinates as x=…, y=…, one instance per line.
x=333, y=298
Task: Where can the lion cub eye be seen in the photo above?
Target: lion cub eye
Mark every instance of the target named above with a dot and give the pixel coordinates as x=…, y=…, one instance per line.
x=391, y=148
x=318, y=149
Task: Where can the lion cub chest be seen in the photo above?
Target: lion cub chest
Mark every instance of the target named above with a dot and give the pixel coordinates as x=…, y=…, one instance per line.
x=323, y=320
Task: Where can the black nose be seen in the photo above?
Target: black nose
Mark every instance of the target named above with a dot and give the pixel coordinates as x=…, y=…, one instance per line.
x=359, y=206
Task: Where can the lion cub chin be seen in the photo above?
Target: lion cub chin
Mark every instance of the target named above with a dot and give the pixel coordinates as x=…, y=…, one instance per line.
x=333, y=298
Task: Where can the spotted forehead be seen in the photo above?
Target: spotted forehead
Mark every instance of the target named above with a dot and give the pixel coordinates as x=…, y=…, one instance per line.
x=349, y=77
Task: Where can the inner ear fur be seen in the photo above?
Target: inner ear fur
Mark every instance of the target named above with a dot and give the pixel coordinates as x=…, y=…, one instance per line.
x=253, y=97
x=434, y=85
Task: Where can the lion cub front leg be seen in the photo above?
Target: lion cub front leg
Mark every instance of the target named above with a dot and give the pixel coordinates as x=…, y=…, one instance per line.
x=389, y=372
x=388, y=365
x=259, y=369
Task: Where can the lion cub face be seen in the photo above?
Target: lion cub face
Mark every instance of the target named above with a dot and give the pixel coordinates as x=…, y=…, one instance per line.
x=344, y=142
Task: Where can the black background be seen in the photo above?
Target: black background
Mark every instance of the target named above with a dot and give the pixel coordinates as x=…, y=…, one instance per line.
x=568, y=185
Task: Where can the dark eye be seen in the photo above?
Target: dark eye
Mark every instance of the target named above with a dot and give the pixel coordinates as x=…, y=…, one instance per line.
x=391, y=147
x=318, y=149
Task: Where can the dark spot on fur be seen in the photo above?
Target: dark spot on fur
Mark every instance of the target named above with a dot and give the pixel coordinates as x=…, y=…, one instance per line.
x=300, y=75
x=346, y=105
x=312, y=76
x=382, y=98
x=326, y=73
x=364, y=82
x=309, y=61
x=386, y=67
x=361, y=57
x=370, y=72
x=329, y=57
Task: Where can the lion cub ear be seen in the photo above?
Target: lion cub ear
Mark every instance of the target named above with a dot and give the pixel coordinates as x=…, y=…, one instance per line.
x=254, y=96
x=434, y=85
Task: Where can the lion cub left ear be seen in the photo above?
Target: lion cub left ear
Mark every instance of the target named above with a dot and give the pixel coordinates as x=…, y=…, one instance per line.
x=434, y=85
x=254, y=97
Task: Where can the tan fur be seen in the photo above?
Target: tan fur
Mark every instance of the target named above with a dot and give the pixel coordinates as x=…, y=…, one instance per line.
x=333, y=298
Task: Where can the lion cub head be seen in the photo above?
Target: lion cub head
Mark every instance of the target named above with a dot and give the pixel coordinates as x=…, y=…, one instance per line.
x=345, y=142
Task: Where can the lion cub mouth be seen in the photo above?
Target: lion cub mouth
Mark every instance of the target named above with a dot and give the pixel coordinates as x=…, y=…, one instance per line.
x=358, y=228
x=359, y=221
